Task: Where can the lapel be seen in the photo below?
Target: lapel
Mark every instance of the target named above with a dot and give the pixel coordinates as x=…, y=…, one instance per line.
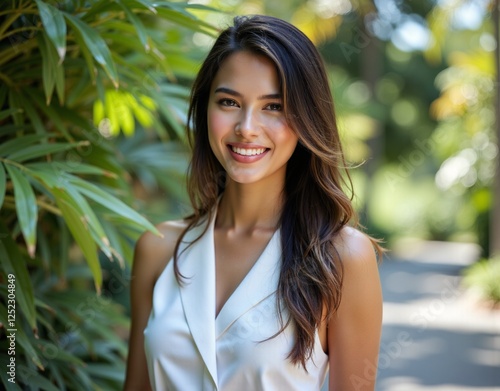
x=260, y=282
x=197, y=264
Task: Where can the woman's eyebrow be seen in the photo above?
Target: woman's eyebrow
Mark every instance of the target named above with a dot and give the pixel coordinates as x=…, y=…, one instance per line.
x=237, y=94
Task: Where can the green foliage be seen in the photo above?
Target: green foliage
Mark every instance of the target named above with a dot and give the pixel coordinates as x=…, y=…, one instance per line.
x=484, y=276
x=72, y=74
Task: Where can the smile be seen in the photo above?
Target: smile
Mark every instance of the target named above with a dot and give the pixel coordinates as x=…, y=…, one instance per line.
x=248, y=151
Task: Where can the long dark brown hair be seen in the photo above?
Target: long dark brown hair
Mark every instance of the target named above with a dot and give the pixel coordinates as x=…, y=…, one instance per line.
x=315, y=205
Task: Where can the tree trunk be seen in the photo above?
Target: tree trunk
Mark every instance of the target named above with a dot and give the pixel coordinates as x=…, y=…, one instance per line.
x=371, y=70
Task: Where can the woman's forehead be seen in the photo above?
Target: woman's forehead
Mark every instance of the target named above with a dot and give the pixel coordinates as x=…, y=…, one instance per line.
x=245, y=70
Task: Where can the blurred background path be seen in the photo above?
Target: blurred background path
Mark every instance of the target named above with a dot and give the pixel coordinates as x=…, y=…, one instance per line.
x=436, y=336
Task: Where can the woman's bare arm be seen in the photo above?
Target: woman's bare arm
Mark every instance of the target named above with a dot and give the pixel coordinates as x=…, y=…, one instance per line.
x=151, y=255
x=354, y=331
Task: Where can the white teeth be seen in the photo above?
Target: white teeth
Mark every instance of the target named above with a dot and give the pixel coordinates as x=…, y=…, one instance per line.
x=248, y=151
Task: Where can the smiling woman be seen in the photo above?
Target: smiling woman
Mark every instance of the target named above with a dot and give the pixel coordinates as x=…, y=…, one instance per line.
x=247, y=128
x=268, y=285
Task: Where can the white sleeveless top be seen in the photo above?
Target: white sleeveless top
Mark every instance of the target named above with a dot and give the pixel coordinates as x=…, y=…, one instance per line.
x=189, y=349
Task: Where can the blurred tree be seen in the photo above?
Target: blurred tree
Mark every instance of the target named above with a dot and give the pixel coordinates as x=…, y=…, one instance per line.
x=495, y=215
x=75, y=73
x=465, y=111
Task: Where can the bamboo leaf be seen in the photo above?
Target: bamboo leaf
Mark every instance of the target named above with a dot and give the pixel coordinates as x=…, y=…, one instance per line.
x=30, y=111
x=105, y=371
x=112, y=203
x=42, y=383
x=64, y=247
x=12, y=261
x=44, y=248
x=73, y=167
x=60, y=82
x=38, y=150
x=6, y=113
x=96, y=46
x=114, y=239
x=145, y=3
x=181, y=17
x=139, y=26
x=80, y=233
x=88, y=214
x=16, y=144
x=16, y=107
x=51, y=111
x=55, y=26
x=99, y=8
x=87, y=57
x=48, y=76
x=3, y=182
x=26, y=207
x=60, y=354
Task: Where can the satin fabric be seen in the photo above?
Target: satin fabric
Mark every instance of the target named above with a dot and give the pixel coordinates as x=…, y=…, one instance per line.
x=189, y=348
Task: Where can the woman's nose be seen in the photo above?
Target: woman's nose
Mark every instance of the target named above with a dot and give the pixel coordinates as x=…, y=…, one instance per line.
x=247, y=126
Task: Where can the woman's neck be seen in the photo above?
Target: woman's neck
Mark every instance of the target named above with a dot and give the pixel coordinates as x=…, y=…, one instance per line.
x=245, y=208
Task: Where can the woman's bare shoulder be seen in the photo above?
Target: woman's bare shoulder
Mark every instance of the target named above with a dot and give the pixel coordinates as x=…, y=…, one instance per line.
x=155, y=251
x=354, y=246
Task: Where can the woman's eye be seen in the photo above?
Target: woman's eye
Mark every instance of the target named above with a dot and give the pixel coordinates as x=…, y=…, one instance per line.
x=275, y=107
x=228, y=102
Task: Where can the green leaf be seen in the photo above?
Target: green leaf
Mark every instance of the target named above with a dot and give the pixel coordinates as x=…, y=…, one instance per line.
x=38, y=150
x=112, y=203
x=97, y=9
x=30, y=111
x=88, y=214
x=13, y=261
x=27, y=210
x=105, y=371
x=115, y=242
x=181, y=17
x=60, y=354
x=55, y=371
x=44, y=247
x=6, y=113
x=64, y=247
x=19, y=143
x=95, y=45
x=139, y=26
x=73, y=167
x=145, y=3
x=3, y=182
x=60, y=82
x=16, y=107
x=53, y=112
x=55, y=26
x=42, y=382
x=48, y=66
x=87, y=57
x=80, y=233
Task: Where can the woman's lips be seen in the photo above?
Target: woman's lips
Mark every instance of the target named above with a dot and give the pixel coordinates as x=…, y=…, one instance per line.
x=247, y=154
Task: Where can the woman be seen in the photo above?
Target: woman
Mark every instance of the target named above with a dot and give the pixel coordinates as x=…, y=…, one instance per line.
x=267, y=286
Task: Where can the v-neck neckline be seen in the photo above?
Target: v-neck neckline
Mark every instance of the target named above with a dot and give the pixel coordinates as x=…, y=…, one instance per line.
x=197, y=263
x=245, y=278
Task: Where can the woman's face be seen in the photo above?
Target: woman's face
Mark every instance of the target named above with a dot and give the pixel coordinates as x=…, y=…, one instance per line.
x=247, y=129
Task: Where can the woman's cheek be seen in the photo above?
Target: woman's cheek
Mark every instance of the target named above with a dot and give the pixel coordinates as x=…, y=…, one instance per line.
x=217, y=124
